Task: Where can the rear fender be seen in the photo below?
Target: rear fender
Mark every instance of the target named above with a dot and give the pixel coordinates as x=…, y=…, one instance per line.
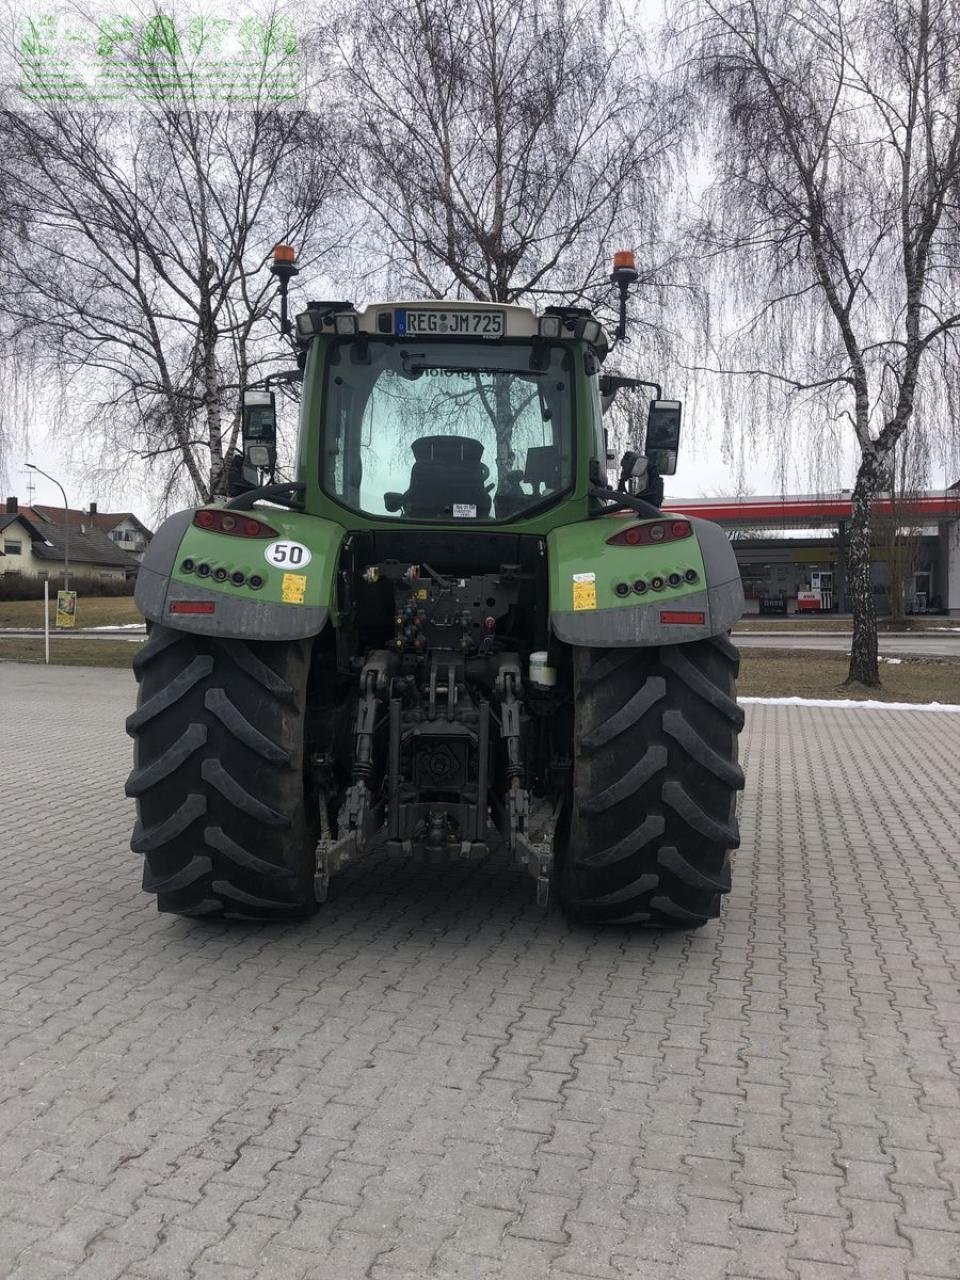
x=585, y=571
x=292, y=603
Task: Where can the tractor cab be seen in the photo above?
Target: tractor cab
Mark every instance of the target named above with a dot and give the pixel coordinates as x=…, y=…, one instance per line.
x=445, y=413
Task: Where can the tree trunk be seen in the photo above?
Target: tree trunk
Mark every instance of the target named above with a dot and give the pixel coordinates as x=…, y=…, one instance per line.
x=864, y=659
x=211, y=394
x=503, y=427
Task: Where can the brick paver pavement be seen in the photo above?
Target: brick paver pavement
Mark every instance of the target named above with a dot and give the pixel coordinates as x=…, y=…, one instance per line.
x=433, y=1079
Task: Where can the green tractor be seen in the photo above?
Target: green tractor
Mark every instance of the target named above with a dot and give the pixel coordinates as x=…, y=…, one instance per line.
x=451, y=633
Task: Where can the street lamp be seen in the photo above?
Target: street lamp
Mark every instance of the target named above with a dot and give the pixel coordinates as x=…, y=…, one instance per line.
x=66, y=524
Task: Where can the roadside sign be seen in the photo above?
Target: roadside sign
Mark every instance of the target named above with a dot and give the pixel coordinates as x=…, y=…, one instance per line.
x=66, y=608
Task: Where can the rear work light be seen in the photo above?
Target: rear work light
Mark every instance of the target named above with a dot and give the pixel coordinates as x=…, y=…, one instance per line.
x=651, y=535
x=682, y=619
x=192, y=606
x=236, y=524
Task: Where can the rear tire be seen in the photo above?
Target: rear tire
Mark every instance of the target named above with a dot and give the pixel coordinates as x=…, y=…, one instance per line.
x=653, y=814
x=224, y=816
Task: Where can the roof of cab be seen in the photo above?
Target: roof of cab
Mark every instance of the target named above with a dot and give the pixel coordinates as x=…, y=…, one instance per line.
x=519, y=322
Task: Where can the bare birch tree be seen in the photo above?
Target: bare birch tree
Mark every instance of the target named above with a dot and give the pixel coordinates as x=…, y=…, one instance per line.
x=833, y=221
x=500, y=144
x=140, y=275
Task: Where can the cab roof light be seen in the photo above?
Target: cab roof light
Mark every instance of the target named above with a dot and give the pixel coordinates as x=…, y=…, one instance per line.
x=590, y=330
x=345, y=323
x=651, y=534
x=234, y=523
x=284, y=253
x=309, y=323
x=321, y=315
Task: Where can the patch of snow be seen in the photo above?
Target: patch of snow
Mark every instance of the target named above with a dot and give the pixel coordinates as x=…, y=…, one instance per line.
x=894, y=662
x=848, y=704
x=116, y=626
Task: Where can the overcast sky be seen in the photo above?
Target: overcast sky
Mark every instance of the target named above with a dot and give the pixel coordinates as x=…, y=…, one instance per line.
x=711, y=462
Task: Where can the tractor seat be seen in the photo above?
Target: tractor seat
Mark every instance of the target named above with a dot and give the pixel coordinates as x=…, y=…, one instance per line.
x=447, y=472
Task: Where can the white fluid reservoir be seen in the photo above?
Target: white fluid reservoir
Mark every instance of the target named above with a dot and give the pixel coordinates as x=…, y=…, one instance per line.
x=540, y=673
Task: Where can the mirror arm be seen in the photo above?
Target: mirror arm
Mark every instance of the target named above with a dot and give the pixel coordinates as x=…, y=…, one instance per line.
x=614, y=382
x=284, y=495
x=620, y=500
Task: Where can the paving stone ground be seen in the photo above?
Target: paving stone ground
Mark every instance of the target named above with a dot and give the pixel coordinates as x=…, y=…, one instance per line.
x=433, y=1079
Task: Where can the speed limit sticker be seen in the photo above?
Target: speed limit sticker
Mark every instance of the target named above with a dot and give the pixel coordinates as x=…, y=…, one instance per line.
x=284, y=555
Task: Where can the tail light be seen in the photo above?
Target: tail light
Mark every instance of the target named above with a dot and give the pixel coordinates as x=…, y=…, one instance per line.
x=680, y=618
x=234, y=523
x=651, y=534
x=192, y=606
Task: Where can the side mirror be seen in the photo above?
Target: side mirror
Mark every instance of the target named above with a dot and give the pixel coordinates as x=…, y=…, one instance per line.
x=633, y=466
x=393, y=501
x=259, y=430
x=663, y=435
x=240, y=477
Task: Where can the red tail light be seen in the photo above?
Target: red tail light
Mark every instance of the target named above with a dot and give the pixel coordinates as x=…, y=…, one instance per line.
x=192, y=606
x=684, y=619
x=652, y=534
x=235, y=523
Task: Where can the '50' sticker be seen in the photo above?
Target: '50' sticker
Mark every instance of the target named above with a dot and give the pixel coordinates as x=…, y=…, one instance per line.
x=287, y=555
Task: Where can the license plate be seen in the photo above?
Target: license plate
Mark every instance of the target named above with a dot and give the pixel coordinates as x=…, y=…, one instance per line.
x=449, y=324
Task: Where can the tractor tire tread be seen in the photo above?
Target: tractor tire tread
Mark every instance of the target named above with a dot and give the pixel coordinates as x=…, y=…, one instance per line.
x=672, y=861
x=653, y=811
x=635, y=889
x=676, y=911
x=197, y=866
x=191, y=740
x=698, y=683
x=217, y=701
x=696, y=746
x=227, y=890
x=728, y=649
x=217, y=838
x=636, y=838
x=628, y=715
x=244, y=657
x=651, y=762
x=696, y=816
x=212, y=771
x=146, y=839
x=158, y=641
x=226, y=824
x=171, y=693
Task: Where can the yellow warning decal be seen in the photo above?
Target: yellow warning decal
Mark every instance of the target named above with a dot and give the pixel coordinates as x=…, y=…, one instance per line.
x=293, y=588
x=584, y=591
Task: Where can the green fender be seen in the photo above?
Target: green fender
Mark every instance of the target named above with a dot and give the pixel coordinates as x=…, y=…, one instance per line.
x=585, y=572
x=294, y=601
